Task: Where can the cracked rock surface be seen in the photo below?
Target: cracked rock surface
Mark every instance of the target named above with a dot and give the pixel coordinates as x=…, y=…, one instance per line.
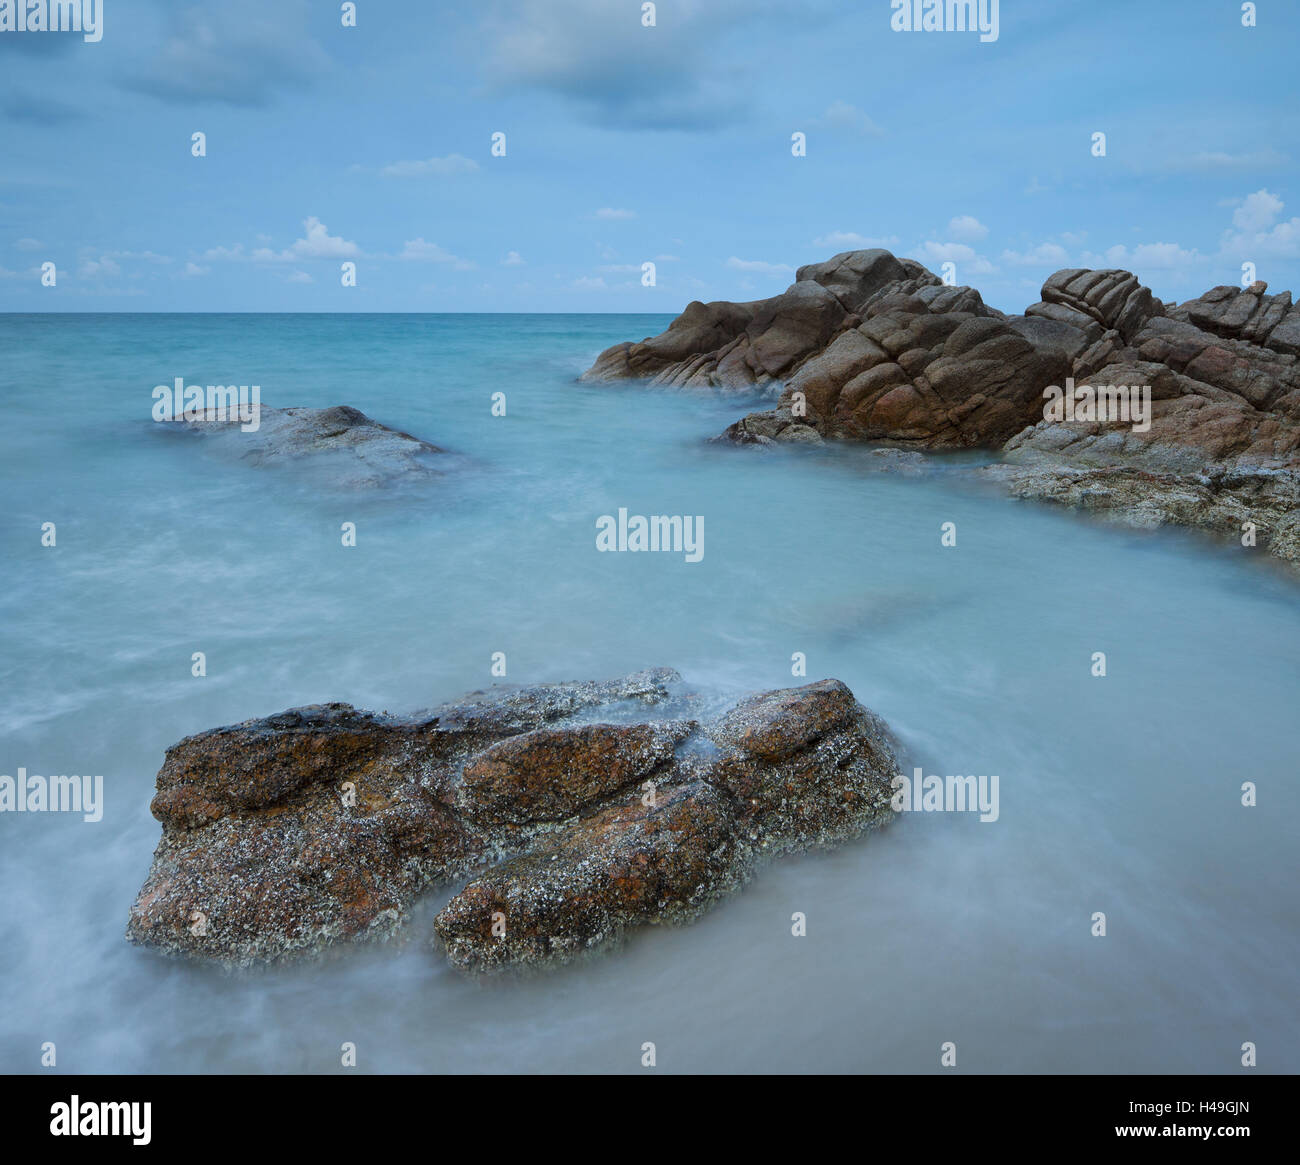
x=868, y=347
x=578, y=813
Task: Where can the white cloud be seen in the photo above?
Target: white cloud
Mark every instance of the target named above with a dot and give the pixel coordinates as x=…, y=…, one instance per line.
x=1164, y=256
x=299, y=277
x=841, y=240
x=934, y=252
x=1257, y=234
x=589, y=283
x=840, y=115
x=966, y=228
x=28, y=244
x=316, y=243
x=512, y=259
x=1044, y=255
x=192, y=270
x=238, y=52
x=1217, y=161
x=98, y=268
x=948, y=252
x=610, y=213
x=108, y=264
x=1144, y=257
x=451, y=164
x=220, y=254
x=758, y=265
x=141, y=256
x=418, y=251
x=620, y=74
x=1257, y=211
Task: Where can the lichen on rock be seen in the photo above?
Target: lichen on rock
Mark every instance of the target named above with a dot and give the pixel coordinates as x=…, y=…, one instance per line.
x=578, y=814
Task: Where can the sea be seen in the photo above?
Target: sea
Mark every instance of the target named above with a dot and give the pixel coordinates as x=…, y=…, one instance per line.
x=1131, y=908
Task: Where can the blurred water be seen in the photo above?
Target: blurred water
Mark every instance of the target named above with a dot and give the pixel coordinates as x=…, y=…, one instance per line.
x=1119, y=794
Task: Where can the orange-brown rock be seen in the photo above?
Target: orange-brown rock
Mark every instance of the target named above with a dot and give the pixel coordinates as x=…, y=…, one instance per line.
x=323, y=824
x=911, y=363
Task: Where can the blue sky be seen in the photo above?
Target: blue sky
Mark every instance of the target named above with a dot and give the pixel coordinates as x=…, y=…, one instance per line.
x=626, y=144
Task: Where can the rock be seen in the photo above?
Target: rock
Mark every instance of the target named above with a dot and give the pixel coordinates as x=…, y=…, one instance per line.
x=916, y=364
x=354, y=449
x=1219, y=503
x=739, y=345
x=549, y=774
x=1222, y=448
x=322, y=825
x=1114, y=299
x=952, y=379
x=622, y=866
x=1269, y=321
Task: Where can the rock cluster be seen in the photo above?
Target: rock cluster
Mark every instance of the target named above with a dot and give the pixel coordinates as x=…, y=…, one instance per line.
x=581, y=816
x=873, y=348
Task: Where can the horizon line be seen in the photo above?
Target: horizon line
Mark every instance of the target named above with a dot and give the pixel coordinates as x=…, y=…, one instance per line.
x=219, y=312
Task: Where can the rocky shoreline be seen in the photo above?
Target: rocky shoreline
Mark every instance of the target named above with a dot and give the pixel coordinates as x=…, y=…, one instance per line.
x=868, y=347
x=578, y=811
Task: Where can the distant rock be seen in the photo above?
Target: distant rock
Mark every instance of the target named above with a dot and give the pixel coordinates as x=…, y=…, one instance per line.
x=356, y=450
x=323, y=824
x=739, y=345
x=893, y=355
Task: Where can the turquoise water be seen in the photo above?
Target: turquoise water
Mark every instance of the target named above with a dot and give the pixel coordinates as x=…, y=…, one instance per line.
x=1118, y=794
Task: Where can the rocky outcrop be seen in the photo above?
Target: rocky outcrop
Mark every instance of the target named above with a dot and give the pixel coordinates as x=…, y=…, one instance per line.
x=915, y=364
x=740, y=345
x=1222, y=450
x=355, y=450
x=583, y=815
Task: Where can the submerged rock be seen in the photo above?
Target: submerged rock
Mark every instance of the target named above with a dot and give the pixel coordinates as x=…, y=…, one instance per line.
x=895, y=356
x=323, y=824
x=357, y=450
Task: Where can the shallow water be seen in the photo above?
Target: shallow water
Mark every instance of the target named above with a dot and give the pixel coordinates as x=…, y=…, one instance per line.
x=1118, y=794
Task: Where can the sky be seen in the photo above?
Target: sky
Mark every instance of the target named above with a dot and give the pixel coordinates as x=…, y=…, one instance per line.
x=628, y=142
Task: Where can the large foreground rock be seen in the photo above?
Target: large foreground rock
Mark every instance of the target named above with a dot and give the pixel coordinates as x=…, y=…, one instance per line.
x=892, y=355
x=323, y=824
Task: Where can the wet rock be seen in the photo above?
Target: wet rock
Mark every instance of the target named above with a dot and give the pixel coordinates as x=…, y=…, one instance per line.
x=322, y=825
x=917, y=364
x=552, y=773
x=622, y=866
x=790, y=769
x=354, y=449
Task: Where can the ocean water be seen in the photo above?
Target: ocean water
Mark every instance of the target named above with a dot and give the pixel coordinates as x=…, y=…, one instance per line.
x=1118, y=794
